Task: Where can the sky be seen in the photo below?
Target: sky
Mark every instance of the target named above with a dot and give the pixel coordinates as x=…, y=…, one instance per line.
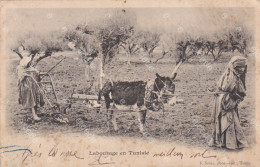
x=194, y=20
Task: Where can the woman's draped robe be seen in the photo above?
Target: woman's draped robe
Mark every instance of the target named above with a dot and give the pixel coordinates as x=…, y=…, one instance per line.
x=29, y=94
x=227, y=130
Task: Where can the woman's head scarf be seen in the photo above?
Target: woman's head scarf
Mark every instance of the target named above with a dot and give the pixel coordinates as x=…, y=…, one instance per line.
x=229, y=79
x=25, y=61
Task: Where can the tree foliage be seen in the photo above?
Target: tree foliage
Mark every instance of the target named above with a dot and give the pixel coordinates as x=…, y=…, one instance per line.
x=39, y=46
x=118, y=29
x=149, y=41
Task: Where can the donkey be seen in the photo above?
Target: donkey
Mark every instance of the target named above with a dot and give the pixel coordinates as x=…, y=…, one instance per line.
x=139, y=96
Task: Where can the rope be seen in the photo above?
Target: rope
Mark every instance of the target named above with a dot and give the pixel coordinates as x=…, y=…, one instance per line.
x=159, y=99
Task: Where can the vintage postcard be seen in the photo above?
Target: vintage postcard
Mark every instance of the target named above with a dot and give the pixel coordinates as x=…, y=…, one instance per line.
x=129, y=83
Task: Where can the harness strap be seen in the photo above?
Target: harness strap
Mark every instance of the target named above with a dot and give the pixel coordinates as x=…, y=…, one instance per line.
x=157, y=88
x=150, y=93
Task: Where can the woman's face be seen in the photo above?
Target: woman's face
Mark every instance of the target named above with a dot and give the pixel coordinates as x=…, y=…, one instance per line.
x=240, y=69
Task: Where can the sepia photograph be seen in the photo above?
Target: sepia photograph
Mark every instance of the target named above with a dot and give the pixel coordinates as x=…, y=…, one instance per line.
x=182, y=75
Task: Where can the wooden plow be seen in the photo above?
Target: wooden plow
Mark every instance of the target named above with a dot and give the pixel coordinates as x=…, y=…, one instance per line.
x=45, y=85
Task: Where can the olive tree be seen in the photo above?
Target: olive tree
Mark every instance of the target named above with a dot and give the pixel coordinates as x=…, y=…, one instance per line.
x=39, y=46
x=148, y=42
x=131, y=45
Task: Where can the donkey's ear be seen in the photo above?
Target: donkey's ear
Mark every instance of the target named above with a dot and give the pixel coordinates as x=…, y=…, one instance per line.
x=157, y=75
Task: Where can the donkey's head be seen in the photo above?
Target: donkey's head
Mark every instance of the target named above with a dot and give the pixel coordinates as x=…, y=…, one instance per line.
x=165, y=83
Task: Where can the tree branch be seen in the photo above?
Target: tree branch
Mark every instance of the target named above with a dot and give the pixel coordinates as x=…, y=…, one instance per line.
x=47, y=54
x=163, y=55
x=18, y=53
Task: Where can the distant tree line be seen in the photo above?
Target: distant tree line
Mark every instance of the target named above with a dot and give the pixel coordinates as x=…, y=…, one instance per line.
x=118, y=31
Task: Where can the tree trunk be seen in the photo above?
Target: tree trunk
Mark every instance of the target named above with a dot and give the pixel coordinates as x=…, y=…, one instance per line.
x=245, y=53
x=150, y=58
x=101, y=70
x=183, y=54
x=160, y=57
x=220, y=53
x=174, y=72
x=214, y=58
x=19, y=54
x=213, y=55
x=41, y=57
x=128, y=58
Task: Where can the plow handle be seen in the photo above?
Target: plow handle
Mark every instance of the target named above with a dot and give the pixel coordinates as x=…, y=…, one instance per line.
x=52, y=68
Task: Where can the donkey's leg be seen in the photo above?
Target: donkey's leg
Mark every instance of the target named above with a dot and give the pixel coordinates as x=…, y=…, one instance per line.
x=113, y=120
x=108, y=120
x=107, y=101
x=142, y=116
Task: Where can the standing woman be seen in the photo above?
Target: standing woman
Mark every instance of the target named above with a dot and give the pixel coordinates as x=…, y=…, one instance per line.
x=227, y=131
x=30, y=96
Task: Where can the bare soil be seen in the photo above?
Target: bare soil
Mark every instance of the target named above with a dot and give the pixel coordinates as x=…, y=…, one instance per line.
x=186, y=123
